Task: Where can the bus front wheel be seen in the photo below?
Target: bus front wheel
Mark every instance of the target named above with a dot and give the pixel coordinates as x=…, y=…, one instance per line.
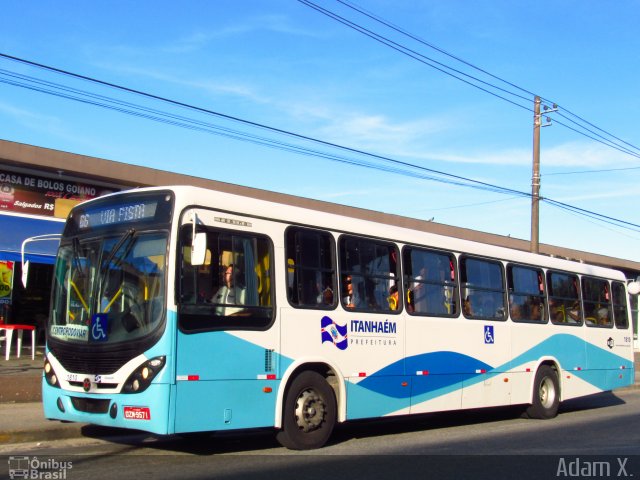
x=309, y=413
x=546, y=394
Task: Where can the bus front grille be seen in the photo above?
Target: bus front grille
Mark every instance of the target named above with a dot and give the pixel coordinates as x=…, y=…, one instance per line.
x=90, y=363
x=90, y=405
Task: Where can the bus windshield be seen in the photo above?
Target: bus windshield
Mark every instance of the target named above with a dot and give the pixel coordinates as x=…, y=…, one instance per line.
x=109, y=289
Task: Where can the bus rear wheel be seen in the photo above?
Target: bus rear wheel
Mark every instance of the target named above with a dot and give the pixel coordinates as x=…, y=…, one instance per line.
x=546, y=394
x=309, y=413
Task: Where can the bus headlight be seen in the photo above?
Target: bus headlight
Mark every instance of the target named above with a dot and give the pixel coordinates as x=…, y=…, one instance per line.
x=141, y=378
x=49, y=374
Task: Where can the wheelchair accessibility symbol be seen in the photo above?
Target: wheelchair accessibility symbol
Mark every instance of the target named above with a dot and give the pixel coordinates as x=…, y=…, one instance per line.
x=488, y=334
x=99, y=327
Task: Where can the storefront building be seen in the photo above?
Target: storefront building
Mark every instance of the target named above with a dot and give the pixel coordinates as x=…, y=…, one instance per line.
x=34, y=205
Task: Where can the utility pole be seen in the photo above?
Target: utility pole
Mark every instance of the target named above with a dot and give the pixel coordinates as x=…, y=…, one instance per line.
x=535, y=178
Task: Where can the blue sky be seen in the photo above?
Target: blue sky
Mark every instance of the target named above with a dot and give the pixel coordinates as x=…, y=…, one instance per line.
x=283, y=64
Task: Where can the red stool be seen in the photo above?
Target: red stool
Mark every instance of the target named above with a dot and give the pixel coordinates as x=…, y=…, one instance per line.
x=9, y=329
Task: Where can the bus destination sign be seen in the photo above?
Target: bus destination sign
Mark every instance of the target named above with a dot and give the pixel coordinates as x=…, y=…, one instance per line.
x=110, y=215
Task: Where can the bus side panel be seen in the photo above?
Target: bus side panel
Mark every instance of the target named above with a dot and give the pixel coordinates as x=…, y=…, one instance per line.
x=224, y=405
x=525, y=337
x=369, y=353
x=491, y=342
x=226, y=380
x=566, y=347
x=444, y=377
x=609, y=357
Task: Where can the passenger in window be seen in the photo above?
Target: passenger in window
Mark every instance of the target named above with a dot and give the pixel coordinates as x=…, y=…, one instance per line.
x=466, y=307
x=325, y=297
x=557, y=311
x=393, y=297
x=574, y=313
x=515, y=312
x=603, y=316
x=229, y=294
x=536, y=310
x=349, y=300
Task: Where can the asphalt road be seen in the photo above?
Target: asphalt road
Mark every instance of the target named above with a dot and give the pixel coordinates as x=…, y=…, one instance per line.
x=594, y=437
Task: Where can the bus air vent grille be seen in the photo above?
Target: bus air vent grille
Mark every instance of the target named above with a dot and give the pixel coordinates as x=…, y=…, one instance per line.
x=268, y=360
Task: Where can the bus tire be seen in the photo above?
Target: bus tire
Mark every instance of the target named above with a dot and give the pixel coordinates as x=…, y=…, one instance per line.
x=546, y=394
x=309, y=413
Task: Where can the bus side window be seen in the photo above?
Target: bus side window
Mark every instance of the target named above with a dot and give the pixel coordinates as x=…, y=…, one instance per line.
x=370, y=274
x=311, y=272
x=526, y=294
x=232, y=290
x=430, y=283
x=482, y=286
x=564, y=298
x=597, y=302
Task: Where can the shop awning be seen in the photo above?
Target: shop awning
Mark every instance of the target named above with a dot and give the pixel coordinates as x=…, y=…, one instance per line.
x=14, y=229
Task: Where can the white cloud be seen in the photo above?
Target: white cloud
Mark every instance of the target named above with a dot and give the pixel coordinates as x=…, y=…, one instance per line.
x=346, y=193
x=585, y=155
x=236, y=89
x=575, y=155
x=201, y=39
x=379, y=133
x=606, y=191
x=32, y=120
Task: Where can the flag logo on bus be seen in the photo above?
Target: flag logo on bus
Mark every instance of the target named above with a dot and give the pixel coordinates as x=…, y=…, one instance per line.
x=334, y=333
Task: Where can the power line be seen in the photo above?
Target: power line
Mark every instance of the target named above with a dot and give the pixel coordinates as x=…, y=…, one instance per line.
x=261, y=126
x=405, y=50
x=418, y=56
x=578, y=172
x=597, y=137
x=395, y=166
x=598, y=216
x=185, y=122
x=475, y=67
x=467, y=205
x=430, y=45
x=598, y=128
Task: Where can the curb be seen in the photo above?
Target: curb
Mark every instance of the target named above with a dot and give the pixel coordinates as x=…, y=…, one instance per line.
x=57, y=432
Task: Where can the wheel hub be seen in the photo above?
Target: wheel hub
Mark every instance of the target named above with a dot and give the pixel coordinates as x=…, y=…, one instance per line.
x=547, y=392
x=310, y=411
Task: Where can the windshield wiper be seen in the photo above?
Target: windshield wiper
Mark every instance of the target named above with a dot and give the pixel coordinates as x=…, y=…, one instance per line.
x=75, y=248
x=128, y=234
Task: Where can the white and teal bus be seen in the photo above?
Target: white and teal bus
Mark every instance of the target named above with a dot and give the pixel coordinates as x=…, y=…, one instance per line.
x=181, y=309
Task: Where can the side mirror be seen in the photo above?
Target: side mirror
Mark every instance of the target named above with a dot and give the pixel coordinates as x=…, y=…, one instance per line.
x=633, y=288
x=38, y=238
x=199, y=249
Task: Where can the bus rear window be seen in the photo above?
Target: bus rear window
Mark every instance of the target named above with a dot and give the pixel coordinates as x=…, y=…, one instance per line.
x=620, y=312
